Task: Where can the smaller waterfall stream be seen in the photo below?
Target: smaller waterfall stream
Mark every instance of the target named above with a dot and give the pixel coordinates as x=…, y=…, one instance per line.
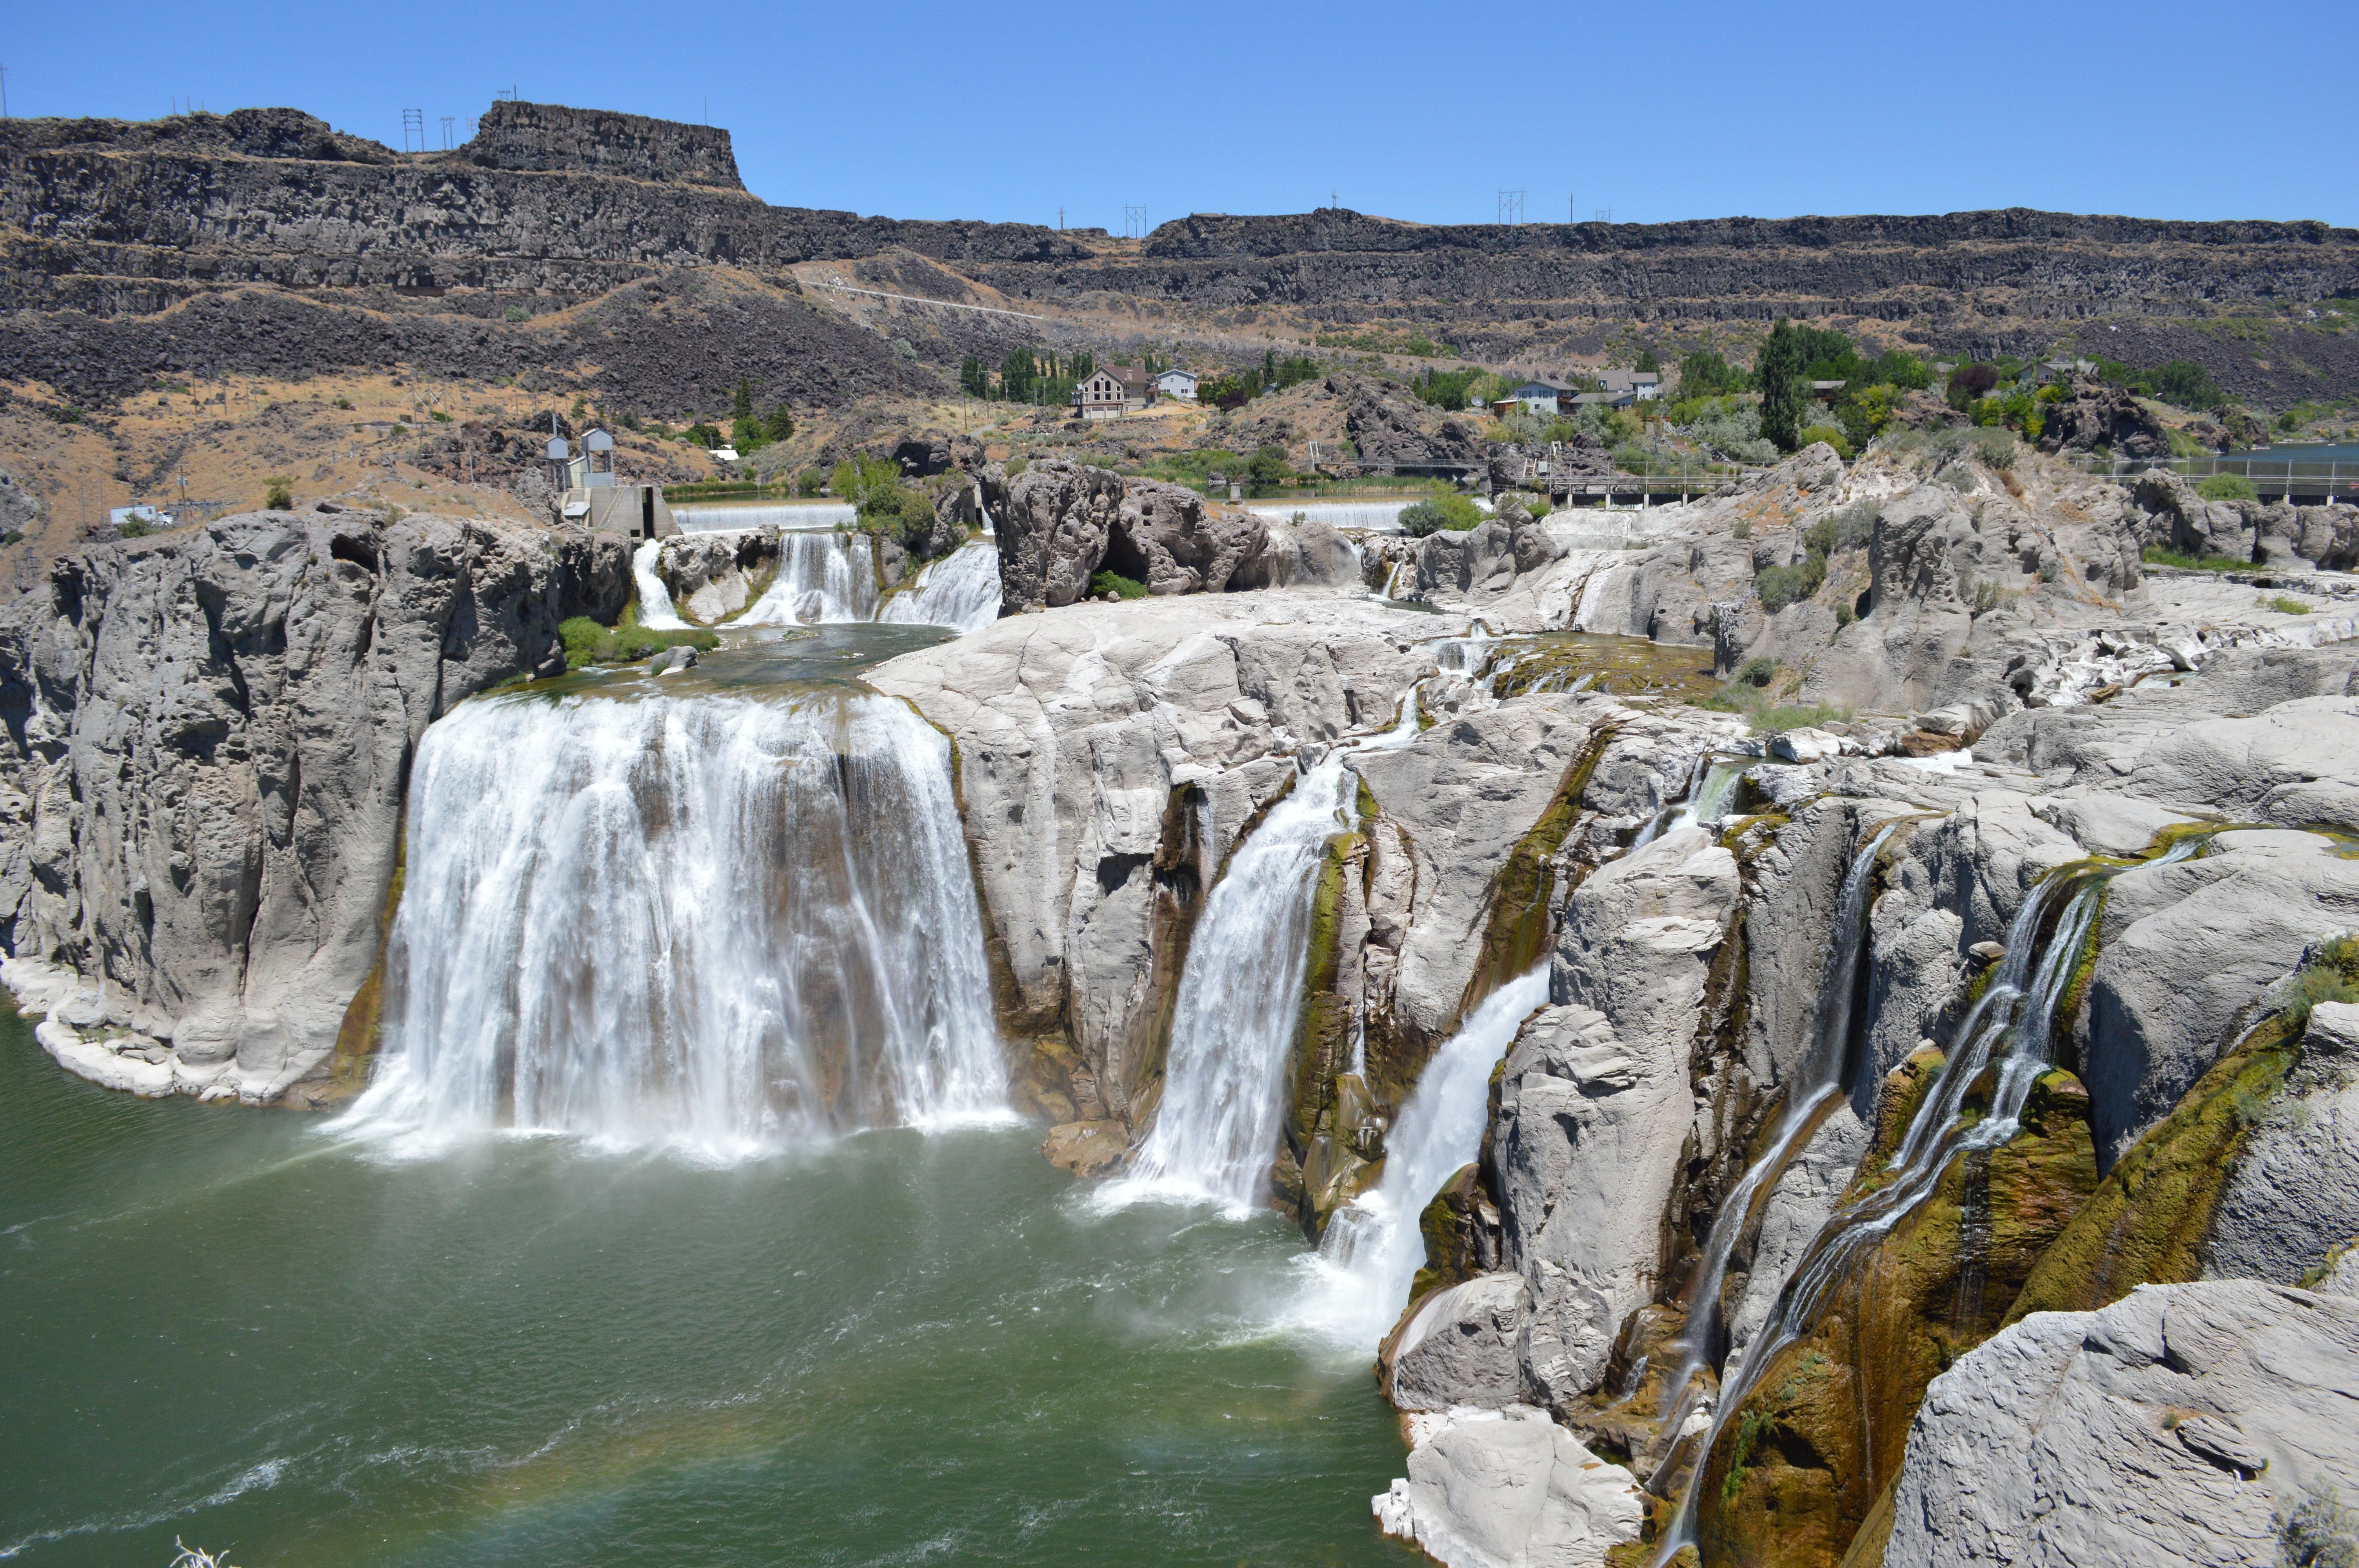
x=1241, y=999
x=1372, y=1250
x=656, y=612
x=2013, y=1025
x=961, y=590
x=824, y=578
x=1822, y=1079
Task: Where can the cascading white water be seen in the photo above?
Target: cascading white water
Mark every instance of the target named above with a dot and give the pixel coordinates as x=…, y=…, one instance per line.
x=1819, y=1081
x=655, y=601
x=721, y=923
x=740, y=518
x=1376, y=516
x=1241, y=999
x=824, y=578
x=2013, y=1024
x=961, y=590
x=1371, y=1253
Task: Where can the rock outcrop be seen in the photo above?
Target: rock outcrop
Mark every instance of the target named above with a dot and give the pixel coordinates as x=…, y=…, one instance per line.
x=2187, y=1423
x=209, y=740
x=1509, y=1489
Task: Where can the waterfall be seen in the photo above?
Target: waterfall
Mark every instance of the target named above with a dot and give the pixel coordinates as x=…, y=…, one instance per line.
x=1375, y=517
x=824, y=578
x=2013, y=1024
x=722, y=922
x=655, y=601
x=961, y=590
x=1240, y=998
x=727, y=519
x=1821, y=1081
x=1372, y=1250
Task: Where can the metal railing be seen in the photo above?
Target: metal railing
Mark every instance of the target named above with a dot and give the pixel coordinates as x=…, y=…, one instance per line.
x=2268, y=475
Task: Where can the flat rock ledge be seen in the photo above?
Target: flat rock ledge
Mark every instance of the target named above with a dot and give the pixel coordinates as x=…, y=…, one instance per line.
x=1508, y=1488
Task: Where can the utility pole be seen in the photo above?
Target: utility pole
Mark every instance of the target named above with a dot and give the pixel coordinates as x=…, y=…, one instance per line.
x=446, y=131
x=4, y=91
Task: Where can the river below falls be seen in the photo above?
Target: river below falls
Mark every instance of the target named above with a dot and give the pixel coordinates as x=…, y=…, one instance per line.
x=238, y=1328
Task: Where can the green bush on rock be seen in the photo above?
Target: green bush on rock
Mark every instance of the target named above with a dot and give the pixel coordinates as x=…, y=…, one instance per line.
x=1116, y=584
x=587, y=643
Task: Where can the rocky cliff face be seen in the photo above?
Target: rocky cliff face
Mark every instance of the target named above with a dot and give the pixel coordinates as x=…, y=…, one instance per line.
x=209, y=739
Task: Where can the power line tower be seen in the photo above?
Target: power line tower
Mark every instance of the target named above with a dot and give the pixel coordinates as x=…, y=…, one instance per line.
x=1133, y=222
x=1511, y=207
x=447, y=121
x=413, y=130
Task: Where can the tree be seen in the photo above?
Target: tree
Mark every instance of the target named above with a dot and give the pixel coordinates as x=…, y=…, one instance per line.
x=974, y=376
x=1017, y=373
x=741, y=408
x=1269, y=367
x=781, y=422
x=1649, y=360
x=277, y=495
x=1778, y=370
x=1705, y=374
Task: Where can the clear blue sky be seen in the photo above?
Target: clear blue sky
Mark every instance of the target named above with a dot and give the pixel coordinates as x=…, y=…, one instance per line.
x=1007, y=111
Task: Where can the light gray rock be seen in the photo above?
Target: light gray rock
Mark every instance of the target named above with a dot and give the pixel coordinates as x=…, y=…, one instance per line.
x=2293, y=1196
x=1594, y=1100
x=2133, y=1435
x=1462, y=1346
x=1073, y=730
x=209, y=738
x=1165, y=536
x=1509, y=1489
x=2183, y=949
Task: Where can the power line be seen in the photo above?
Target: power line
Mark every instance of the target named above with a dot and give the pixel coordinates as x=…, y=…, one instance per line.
x=1511, y=207
x=1134, y=222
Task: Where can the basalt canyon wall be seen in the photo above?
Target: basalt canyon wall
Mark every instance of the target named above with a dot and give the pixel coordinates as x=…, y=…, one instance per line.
x=288, y=217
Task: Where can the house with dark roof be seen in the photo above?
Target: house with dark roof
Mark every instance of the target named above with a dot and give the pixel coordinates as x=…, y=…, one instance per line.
x=1110, y=391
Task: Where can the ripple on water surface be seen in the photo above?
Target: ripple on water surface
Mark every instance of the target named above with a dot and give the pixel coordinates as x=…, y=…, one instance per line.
x=905, y=1347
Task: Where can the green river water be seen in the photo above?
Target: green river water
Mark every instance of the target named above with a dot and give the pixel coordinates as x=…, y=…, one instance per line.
x=232, y=1326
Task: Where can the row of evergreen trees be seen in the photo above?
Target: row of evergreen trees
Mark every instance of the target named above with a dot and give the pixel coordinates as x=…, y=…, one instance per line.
x=1027, y=376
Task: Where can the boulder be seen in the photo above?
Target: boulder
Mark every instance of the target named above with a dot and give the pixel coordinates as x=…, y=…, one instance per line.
x=2293, y=1195
x=1509, y=1489
x=1479, y=559
x=1594, y=1103
x=1165, y=536
x=2100, y=417
x=1461, y=1346
x=2187, y=1423
x=1060, y=518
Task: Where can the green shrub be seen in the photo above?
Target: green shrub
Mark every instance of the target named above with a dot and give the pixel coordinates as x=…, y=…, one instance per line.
x=1116, y=584
x=277, y=495
x=2285, y=604
x=2227, y=487
x=515, y=313
x=1844, y=614
x=587, y=643
x=2157, y=555
x=133, y=528
x=1830, y=435
x=1447, y=510
x=1758, y=672
x=1782, y=585
x=810, y=483
x=1994, y=447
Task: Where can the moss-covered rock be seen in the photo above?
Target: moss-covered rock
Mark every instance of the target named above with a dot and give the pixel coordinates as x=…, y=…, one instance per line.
x=1800, y=1465
x=2146, y=1222
x=1516, y=925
